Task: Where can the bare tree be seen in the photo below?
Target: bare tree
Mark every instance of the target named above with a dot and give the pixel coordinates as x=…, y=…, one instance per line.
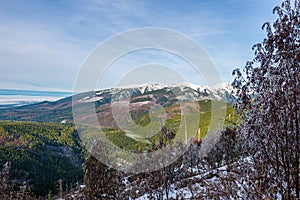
x=4, y=177
x=269, y=101
x=102, y=182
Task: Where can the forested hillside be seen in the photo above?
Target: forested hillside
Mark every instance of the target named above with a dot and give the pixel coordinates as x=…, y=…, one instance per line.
x=40, y=154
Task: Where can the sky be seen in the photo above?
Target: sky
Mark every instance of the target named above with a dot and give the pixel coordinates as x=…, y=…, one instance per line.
x=43, y=44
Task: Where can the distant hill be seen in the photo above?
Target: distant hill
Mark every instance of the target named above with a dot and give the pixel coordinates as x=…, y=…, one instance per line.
x=13, y=98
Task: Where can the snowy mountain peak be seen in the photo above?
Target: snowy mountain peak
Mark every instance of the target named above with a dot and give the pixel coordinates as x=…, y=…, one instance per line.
x=151, y=87
x=223, y=86
x=183, y=91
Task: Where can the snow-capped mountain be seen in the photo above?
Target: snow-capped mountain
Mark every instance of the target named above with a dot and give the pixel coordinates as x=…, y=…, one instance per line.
x=140, y=98
x=181, y=91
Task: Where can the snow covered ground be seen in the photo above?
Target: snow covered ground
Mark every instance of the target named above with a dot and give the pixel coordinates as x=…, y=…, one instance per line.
x=196, y=185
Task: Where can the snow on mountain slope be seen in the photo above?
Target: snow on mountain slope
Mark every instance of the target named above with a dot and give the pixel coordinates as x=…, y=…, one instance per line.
x=182, y=91
x=140, y=97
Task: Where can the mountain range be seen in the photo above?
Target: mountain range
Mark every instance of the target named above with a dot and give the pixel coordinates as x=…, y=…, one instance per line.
x=140, y=98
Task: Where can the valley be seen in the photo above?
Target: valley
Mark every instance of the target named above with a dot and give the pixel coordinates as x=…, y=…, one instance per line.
x=43, y=134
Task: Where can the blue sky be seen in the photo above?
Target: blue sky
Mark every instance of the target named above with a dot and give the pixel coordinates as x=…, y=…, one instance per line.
x=44, y=43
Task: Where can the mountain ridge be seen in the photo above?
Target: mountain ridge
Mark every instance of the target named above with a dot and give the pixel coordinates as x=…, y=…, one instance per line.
x=138, y=96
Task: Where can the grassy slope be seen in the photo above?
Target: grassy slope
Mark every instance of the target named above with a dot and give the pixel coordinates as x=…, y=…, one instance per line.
x=119, y=138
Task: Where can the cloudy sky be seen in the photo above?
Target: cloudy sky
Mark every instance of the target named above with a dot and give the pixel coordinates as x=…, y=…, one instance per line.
x=44, y=43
